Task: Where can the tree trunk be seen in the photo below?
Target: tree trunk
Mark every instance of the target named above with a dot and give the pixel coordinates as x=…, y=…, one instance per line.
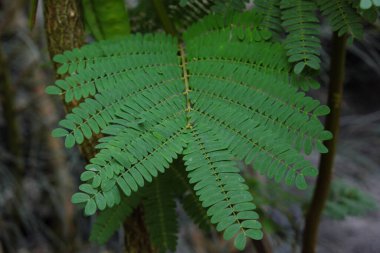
x=136, y=235
x=65, y=31
x=321, y=191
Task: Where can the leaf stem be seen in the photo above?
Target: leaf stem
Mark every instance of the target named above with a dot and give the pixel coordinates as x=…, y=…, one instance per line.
x=321, y=191
x=186, y=81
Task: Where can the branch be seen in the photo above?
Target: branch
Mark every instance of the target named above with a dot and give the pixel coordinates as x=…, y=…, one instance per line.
x=321, y=191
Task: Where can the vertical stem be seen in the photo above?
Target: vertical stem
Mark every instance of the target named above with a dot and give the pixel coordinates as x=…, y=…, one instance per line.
x=321, y=191
x=163, y=15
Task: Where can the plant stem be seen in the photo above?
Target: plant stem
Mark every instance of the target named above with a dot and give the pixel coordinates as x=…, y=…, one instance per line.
x=321, y=191
x=163, y=15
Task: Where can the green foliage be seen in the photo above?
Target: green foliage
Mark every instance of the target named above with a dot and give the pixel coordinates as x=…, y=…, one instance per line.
x=345, y=200
x=223, y=94
x=343, y=17
x=302, y=41
x=271, y=13
x=187, y=12
x=299, y=20
x=106, y=19
x=160, y=214
x=110, y=220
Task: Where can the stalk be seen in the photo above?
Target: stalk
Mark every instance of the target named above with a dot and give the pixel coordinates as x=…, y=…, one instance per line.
x=321, y=191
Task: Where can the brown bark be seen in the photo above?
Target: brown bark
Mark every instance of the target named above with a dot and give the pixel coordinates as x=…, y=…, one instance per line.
x=321, y=191
x=64, y=29
x=136, y=234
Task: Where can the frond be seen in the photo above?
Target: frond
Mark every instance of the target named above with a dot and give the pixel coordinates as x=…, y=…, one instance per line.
x=240, y=26
x=225, y=93
x=252, y=81
x=271, y=13
x=246, y=28
x=111, y=219
x=188, y=12
x=220, y=187
x=302, y=42
x=130, y=159
x=113, y=72
x=342, y=17
x=160, y=214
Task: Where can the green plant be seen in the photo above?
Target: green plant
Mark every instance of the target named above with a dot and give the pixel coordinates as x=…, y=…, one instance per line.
x=224, y=92
x=298, y=18
x=221, y=95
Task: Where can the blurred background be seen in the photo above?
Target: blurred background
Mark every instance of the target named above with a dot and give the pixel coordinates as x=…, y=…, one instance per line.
x=38, y=175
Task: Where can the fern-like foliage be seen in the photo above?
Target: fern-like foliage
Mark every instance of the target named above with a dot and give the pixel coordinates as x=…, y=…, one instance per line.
x=300, y=21
x=302, y=42
x=343, y=18
x=160, y=214
x=271, y=13
x=111, y=219
x=218, y=96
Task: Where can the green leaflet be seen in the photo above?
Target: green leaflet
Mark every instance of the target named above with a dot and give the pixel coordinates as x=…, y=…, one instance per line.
x=343, y=18
x=106, y=19
x=226, y=93
x=302, y=42
x=221, y=192
x=301, y=23
x=271, y=12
